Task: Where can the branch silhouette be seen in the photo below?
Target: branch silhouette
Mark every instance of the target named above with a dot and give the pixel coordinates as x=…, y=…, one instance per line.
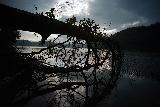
x=83, y=65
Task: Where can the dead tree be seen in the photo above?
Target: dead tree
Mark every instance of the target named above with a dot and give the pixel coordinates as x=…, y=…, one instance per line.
x=99, y=49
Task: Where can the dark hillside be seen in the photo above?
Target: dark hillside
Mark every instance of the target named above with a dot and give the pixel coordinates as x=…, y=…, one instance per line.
x=143, y=38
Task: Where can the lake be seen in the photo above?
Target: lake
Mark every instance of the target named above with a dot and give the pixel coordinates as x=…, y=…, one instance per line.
x=137, y=86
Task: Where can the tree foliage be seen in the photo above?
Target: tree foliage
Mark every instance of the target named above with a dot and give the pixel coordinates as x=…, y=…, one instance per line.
x=76, y=71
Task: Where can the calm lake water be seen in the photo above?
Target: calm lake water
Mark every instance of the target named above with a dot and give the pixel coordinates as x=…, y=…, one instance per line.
x=138, y=85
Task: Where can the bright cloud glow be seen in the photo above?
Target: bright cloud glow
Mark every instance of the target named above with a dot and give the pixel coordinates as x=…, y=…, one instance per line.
x=130, y=24
x=141, y=21
x=111, y=31
x=69, y=8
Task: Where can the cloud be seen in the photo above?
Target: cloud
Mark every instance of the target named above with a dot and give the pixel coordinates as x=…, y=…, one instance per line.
x=122, y=13
x=139, y=22
x=104, y=11
x=72, y=7
x=144, y=8
x=116, y=11
x=111, y=31
x=61, y=38
x=130, y=24
x=125, y=11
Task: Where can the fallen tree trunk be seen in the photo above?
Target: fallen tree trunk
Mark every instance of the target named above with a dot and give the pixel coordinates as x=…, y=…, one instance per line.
x=16, y=19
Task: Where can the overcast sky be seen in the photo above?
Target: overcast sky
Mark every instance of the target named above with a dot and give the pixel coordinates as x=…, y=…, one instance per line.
x=121, y=13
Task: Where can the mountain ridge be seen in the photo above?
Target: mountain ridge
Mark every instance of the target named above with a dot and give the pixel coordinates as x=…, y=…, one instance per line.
x=141, y=38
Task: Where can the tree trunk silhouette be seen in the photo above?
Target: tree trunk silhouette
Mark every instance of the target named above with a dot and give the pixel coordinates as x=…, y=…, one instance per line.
x=16, y=19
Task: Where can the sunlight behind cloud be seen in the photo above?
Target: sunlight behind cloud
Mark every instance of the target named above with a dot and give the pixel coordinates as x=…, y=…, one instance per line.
x=111, y=31
x=69, y=8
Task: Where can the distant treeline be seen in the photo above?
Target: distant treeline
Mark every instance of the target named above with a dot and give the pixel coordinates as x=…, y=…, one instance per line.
x=142, y=38
x=29, y=43
x=47, y=43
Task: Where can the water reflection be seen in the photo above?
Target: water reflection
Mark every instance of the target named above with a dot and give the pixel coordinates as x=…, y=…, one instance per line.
x=136, y=85
x=139, y=83
x=66, y=85
x=141, y=65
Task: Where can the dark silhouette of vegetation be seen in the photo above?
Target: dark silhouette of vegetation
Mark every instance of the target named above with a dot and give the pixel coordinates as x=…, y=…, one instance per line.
x=142, y=38
x=87, y=72
x=31, y=43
